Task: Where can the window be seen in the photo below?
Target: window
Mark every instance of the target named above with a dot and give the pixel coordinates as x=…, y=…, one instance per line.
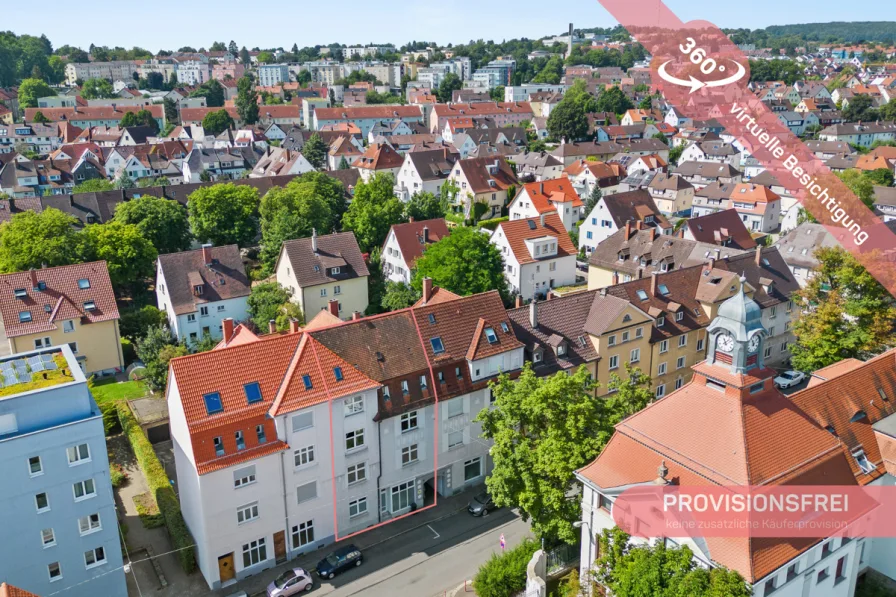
x=408, y=421
x=253, y=392
x=422, y=382
x=74, y=347
x=611, y=341
x=661, y=369
x=354, y=405
x=213, y=403
x=792, y=571
x=639, y=332
x=337, y=373
x=437, y=346
x=302, y=421
x=625, y=336
x=356, y=473
x=219, y=446
x=773, y=312
x=240, y=441
x=323, y=292
x=409, y=454
x=68, y=326
x=769, y=586
x=862, y=461
x=472, y=469
x=357, y=507
x=682, y=340
x=614, y=362
x=604, y=503
x=221, y=308
x=35, y=466
x=661, y=390
x=260, y=435
x=354, y=439
x=244, y=476
x=491, y=336
x=78, y=454
x=254, y=552
x=54, y=571
x=47, y=538
x=678, y=383
x=679, y=364
x=84, y=489
x=660, y=321
x=303, y=534
x=337, y=290
x=191, y=317
x=247, y=513
x=664, y=346
x=679, y=316
x=635, y=355
x=822, y=576
x=455, y=438
x=700, y=345
x=826, y=549
x=783, y=346
x=335, y=270
x=24, y=316
x=306, y=492
x=203, y=311
x=455, y=407
x=304, y=456
x=767, y=352
x=306, y=381
x=404, y=387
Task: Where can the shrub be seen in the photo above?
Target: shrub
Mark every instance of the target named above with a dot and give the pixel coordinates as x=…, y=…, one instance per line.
x=149, y=514
x=128, y=351
x=492, y=224
x=160, y=487
x=117, y=475
x=505, y=574
x=111, y=424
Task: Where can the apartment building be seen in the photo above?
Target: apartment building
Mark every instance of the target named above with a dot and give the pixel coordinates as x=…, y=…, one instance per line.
x=365, y=117
x=341, y=422
x=629, y=210
x=57, y=496
x=406, y=243
x=270, y=75
x=116, y=70
x=72, y=305
x=557, y=195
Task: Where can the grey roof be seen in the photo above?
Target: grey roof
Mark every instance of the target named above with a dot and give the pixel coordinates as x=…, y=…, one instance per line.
x=434, y=164
x=885, y=196
x=706, y=169
x=798, y=246
x=605, y=309
x=333, y=250
x=829, y=147
x=843, y=161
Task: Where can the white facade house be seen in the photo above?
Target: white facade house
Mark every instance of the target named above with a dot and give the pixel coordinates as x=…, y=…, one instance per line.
x=557, y=195
x=270, y=75
x=611, y=213
x=406, y=243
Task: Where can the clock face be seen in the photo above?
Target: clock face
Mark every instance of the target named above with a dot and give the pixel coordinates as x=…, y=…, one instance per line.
x=753, y=346
x=725, y=343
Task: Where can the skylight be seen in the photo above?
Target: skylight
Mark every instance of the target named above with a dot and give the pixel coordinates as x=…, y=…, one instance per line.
x=253, y=392
x=642, y=295
x=83, y=283
x=20, y=293
x=24, y=316
x=90, y=306
x=858, y=416
x=437, y=346
x=337, y=373
x=504, y=327
x=213, y=403
x=664, y=289
x=491, y=336
x=432, y=318
x=306, y=379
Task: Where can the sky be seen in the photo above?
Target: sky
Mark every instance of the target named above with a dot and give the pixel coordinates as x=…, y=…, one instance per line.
x=170, y=24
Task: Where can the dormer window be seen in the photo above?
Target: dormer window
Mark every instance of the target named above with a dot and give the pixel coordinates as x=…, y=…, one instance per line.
x=404, y=388
x=561, y=349
x=536, y=355
x=89, y=306
x=862, y=461
x=679, y=316
x=660, y=321
x=197, y=289
x=335, y=270
x=491, y=336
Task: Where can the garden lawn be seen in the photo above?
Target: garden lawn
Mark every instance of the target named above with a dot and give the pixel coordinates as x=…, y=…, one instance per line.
x=109, y=391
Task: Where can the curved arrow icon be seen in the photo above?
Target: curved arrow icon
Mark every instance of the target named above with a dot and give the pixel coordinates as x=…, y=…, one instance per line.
x=695, y=83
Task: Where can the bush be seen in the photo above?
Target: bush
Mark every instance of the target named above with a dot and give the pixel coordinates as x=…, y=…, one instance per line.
x=505, y=574
x=148, y=512
x=111, y=425
x=128, y=351
x=492, y=224
x=160, y=487
x=117, y=475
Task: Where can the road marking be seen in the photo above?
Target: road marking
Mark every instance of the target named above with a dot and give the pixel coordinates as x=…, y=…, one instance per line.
x=433, y=532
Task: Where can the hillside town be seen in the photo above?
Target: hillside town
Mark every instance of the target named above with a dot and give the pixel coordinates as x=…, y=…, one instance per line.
x=411, y=319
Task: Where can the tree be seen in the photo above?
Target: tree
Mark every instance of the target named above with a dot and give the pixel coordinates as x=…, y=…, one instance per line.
x=212, y=91
x=265, y=58
x=217, y=122
x=172, y=116
x=635, y=571
x=233, y=49
x=504, y=573
x=881, y=177
x=861, y=185
x=134, y=323
x=289, y=212
x=549, y=425
x=244, y=56
x=94, y=185
x=373, y=210
x=675, y=154
x=270, y=301
x=497, y=94
x=97, y=89
x=424, y=206
x=860, y=109
x=155, y=350
x=129, y=256
x=224, y=214
x=628, y=395
x=162, y=221
x=849, y=314
x=40, y=118
x=247, y=101
x=31, y=240
x=315, y=151
x=450, y=83
x=595, y=196
x=155, y=80
x=140, y=118
x=30, y=90
x=614, y=100
x=464, y=262
x=569, y=118
x=343, y=164
x=398, y=296
x=123, y=181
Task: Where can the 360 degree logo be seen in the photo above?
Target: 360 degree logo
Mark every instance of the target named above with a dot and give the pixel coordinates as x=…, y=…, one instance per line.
x=707, y=66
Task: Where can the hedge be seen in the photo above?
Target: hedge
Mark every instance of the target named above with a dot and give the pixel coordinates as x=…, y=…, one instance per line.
x=505, y=574
x=157, y=479
x=492, y=224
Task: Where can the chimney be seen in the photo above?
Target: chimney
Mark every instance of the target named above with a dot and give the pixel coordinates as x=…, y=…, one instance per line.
x=653, y=233
x=425, y=234
x=653, y=283
x=758, y=254
x=356, y=315
x=533, y=314
x=712, y=262
x=549, y=295
x=541, y=188
x=294, y=326
x=333, y=307
x=615, y=278
x=518, y=302
x=427, y=290
x=207, y=254
x=272, y=326
x=314, y=240
x=640, y=273
x=411, y=219
x=628, y=229
x=227, y=323
x=681, y=232
x=541, y=219
x=33, y=279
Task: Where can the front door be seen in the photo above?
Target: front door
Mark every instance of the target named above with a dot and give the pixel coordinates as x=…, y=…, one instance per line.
x=280, y=546
x=225, y=568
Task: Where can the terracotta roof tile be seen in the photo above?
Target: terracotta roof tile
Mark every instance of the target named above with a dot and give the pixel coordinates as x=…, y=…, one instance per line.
x=409, y=237
x=724, y=228
x=7, y=590
x=542, y=194
x=518, y=231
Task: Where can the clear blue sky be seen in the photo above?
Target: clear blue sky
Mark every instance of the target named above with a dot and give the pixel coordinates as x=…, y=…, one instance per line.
x=170, y=24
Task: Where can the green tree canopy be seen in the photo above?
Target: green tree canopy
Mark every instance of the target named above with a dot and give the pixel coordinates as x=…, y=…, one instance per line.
x=613, y=100
x=858, y=183
x=224, y=214
x=212, y=91
x=398, y=296
x=860, y=109
x=450, y=83
x=217, y=122
x=247, y=101
x=155, y=349
x=424, y=206
x=30, y=90
x=129, y=256
x=31, y=240
x=270, y=301
x=94, y=185
x=40, y=118
x=593, y=198
x=315, y=151
x=162, y=221
x=289, y=212
x=373, y=210
x=464, y=262
x=140, y=118
x=97, y=89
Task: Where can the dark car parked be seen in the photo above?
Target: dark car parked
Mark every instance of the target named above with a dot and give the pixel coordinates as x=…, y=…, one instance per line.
x=340, y=560
x=481, y=505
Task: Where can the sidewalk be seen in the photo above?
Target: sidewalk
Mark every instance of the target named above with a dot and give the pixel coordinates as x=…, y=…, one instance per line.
x=447, y=506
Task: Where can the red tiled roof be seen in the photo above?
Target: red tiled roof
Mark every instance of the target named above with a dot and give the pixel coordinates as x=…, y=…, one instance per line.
x=60, y=300
x=379, y=156
x=409, y=237
x=542, y=194
x=7, y=590
x=91, y=112
x=481, y=109
x=518, y=231
x=362, y=112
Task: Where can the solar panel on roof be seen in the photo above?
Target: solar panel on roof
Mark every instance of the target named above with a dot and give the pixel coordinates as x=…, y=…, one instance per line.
x=6, y=366
x=10, y=378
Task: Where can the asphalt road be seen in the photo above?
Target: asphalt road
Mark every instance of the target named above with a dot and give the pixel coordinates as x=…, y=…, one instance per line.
x=429, y=561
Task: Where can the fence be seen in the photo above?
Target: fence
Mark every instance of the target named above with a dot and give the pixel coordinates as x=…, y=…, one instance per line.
x=562, y=558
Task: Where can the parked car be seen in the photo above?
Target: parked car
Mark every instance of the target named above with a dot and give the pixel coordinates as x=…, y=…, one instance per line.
x=340, y=560
x=291, y=582
x=789, y=378
x=481, y=505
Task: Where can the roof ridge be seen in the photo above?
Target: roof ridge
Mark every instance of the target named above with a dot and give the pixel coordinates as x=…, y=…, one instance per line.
x=286, y=382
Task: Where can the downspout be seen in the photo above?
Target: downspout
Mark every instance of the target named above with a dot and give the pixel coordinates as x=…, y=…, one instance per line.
x=379, y=476
x=283, y=482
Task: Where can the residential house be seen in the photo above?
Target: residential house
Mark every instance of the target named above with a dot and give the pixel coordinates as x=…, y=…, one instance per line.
x=198, y=289
x=723, y=228
x=88, y=116
x=885, y=202
x=365, y=117
x=324, y=269
x=614, y=212
x=502, y=113
x=279, y=162
x=69, y=304
x=569, y=152
x=711, y=151
x=759, y=207
x=406, y=243
x=424, y=172
x=538, y=255
x=585, y=175
x=550, y=196
x=862, y=133
x=537, y=166
x=798, y=247
x=379, y=158
x=671, y=193
x=484, y=181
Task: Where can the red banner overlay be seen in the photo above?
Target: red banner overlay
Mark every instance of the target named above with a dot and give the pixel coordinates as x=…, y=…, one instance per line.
x=778, y=511
x=704, y=75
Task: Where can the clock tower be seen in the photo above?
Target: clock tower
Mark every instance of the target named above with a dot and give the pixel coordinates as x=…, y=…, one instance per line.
x=736, y=335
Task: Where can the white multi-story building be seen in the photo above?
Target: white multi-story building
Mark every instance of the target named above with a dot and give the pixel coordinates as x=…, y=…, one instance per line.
x=117, y=70
x=270, y=75
x=406, y=243
x=521, y=93
x=193, y=72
